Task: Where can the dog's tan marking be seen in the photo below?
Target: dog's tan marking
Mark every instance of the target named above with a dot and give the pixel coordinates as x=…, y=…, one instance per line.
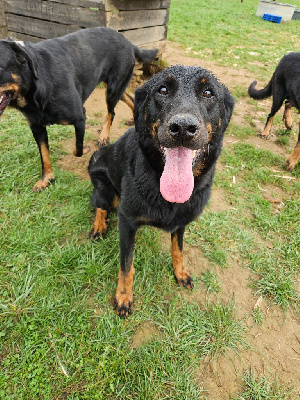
x=16, y=78
x=16, y=89
x=21, y=101
x=124, y=294
x=203, y=80
x=11, y=87
x=209, y=131
x=293, y=158
x=198, y=168
x=128, y=100
x=287, y=115
x=116, y=202
x=181, y=273
x=144, y=220
x=48, y=175
x=154, y=129
x=46, y=159
x=100, y=224
x=63, y=122
x=104, y=135
x=266, y=132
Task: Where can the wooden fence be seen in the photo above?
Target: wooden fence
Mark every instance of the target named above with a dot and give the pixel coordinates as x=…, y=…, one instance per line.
x=143, y=22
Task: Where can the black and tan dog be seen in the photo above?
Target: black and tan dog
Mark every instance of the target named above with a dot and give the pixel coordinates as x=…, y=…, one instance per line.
x=283, y=86
x=49, y=82
x=160, y=173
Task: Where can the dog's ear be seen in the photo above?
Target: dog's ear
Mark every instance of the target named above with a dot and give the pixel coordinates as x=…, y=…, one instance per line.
x=140, y=97
x=228, y=108
x=24, y=55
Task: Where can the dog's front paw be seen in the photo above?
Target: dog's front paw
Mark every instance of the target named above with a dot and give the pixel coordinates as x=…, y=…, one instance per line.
x=123, y=304
x=184, y=278
x=103, y=141
x=98, y=231
x=41, y=184
x=99, y=228
x=264, y=135
x=97, y=234
x=290, y=163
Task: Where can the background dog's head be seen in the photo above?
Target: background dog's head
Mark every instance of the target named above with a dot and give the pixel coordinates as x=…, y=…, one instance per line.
x=182, y=114
x=17, y=67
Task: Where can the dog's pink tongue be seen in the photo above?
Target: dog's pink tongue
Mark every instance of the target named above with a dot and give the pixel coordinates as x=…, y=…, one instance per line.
x=177, y=180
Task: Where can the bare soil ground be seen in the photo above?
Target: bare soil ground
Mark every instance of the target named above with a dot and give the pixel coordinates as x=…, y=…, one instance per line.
x=274, y=347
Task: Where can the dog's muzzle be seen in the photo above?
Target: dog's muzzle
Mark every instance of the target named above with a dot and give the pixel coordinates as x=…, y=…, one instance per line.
x=183, y=128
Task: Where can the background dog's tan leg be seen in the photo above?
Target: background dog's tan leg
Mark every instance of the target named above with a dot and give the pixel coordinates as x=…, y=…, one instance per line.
x=287, y=115
x=182, y=273
x=294, y=157
x=41, y=138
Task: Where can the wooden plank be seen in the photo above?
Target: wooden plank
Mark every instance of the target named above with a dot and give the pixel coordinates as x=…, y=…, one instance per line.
x=146, y=35
x=124, y=20
x=160, y=45
x=38, y=27
x=125, y=5
x=3, y=32
x=99, y=4
x=2, y=17
x=25, y=38
x=55, y=12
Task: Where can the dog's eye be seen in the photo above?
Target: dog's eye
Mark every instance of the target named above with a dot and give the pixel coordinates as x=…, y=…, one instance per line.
x=207, y=93
x=163, y=90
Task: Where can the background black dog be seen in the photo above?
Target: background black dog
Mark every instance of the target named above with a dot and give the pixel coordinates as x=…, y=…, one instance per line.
x=161, y=172
x=49, y=82
x=284, y=85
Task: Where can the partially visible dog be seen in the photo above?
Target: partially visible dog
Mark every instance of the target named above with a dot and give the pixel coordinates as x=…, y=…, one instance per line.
x=283, y=86
x=49, y=82
x=160, y=173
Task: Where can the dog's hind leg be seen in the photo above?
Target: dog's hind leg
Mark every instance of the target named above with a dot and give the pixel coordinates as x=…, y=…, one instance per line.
x=278, y=98
x=181, y=273
x=115, y=90
x=294, y=157
x=79, y=149
x=123, y=300
x=129, y=100
x=287, y=115
x=41, y=138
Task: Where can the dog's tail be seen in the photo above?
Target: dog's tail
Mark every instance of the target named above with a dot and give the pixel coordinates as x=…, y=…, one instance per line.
x=145, y=56
x=260, y=94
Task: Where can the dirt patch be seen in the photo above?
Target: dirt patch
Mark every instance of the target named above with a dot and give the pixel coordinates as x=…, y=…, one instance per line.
x=273, y=346
x=146, y=332
x=217, y=201
x=95, y=113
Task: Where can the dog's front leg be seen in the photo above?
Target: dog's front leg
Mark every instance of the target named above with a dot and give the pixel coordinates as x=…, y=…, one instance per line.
x=124, y=294
x=182, y=274
x=41, y=138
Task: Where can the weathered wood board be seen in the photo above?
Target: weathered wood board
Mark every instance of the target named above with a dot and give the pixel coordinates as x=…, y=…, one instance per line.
x=143, y=22
x=54, y=12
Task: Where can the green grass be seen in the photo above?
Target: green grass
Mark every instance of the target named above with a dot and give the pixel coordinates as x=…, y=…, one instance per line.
x=59, y=336
x=263, y=388
x=231, y=34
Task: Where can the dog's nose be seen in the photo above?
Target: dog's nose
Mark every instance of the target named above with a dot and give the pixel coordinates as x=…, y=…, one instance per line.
x=184, y=127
